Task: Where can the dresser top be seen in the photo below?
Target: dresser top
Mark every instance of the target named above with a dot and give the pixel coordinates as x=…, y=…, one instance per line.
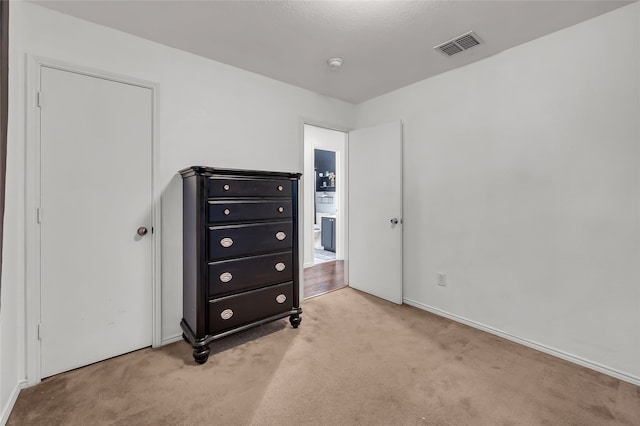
x=211, y=171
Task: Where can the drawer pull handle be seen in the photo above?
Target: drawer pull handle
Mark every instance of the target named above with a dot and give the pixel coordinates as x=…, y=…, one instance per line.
x=225, y=277
x=281, y=236
x=226, y=314
x=281, y=298
x=280, y=188
x=226, y=187
x=226, y=242
x=280, y=209
x=227, y=211
x=280, y=266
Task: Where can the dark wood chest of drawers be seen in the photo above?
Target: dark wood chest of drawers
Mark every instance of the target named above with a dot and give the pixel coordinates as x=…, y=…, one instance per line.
x=240, y=252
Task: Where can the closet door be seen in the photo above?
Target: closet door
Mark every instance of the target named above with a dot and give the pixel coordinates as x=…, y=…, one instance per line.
x=96, y=267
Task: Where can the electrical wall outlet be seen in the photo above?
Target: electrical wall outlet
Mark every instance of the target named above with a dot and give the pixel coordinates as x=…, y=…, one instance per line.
x=442, y=279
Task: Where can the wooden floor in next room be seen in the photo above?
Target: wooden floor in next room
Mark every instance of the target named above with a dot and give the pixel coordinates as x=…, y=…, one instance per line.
x=323, y=278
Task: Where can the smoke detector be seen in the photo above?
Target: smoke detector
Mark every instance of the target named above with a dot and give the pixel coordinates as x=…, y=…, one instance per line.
x=334, y=63
x=459, y=44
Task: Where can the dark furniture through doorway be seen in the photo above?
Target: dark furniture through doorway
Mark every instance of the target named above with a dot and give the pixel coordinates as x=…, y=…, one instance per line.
x=328, y=237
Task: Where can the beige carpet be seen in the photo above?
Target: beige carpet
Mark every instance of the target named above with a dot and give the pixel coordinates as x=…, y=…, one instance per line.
x=355, y=360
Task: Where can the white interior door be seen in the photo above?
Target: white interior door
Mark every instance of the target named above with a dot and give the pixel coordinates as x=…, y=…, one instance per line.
x=375, y=210
x=96, y=191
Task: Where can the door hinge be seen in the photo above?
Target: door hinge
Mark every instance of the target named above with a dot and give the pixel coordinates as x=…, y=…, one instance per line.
x=39, y=331
x=39, y=99
x=39, y=215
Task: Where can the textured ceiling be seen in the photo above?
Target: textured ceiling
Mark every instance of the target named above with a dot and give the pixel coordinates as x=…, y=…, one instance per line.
x=385, y=44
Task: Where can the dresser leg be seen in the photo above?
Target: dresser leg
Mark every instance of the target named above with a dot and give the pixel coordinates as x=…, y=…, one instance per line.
x=295, y=320
x=201, y=354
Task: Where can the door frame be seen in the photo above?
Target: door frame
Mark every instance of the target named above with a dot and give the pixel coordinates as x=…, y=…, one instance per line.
x=345, y=207
x=32, y=202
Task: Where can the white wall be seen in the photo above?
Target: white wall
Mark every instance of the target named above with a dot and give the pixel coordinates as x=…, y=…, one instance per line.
x=12, y=324
x=522, y=184
x=208, y=114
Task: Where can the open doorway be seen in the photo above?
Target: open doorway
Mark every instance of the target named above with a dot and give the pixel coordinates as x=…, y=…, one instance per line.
x=324, y=219
x=325, y=203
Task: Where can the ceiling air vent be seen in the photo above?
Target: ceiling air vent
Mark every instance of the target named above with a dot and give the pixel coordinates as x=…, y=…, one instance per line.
x=459, y=44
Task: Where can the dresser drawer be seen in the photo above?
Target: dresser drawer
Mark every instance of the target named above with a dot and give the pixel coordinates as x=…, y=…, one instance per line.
x=228, y=312
x=239, y=240
x=230, y=276
x=235, y=187
x=247, y=210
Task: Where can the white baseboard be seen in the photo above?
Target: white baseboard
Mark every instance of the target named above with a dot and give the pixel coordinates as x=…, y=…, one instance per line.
x=308, y=265
x=635, y=380
x=171, y=339
x=6, y=410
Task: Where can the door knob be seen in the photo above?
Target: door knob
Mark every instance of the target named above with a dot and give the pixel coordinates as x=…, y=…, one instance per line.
x=394, y=221
x=142, y=231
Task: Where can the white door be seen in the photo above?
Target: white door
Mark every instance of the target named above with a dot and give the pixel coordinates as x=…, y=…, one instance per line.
x=375, y=210
x=95, y=189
